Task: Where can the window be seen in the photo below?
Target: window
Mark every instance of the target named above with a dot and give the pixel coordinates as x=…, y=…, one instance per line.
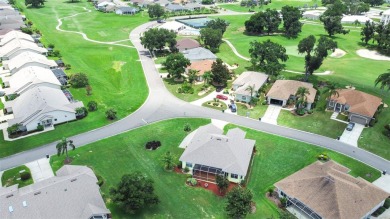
x=234, y=176
x=39, y=123
x=189, y=165
x=243, y=97
x=346, y=107
x=331, y=103
x=55, y=119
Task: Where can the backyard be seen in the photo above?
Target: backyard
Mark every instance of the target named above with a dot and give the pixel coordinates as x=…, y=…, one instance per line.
x=275, y=159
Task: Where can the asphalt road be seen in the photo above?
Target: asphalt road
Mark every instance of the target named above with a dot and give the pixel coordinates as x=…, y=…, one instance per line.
x=162, y=105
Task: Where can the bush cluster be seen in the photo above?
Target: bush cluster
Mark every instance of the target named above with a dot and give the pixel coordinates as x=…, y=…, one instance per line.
x=387, y=203
x=152, y=145
x=186, y=88
x=323, y=156
x=379, y=211
x=100, y=181
x=192, y=181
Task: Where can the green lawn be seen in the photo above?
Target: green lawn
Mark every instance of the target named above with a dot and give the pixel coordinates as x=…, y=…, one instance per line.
x=220, y=107
x=276, y=158
x=12, y=176
x=172, y=86
x=114, y=73
x=275, y=4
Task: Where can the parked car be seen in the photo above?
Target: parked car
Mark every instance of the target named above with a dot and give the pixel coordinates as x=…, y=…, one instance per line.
x=233, y=108
x=350, y=126
x=161, y=21
x=219, y=89
x=222, y=97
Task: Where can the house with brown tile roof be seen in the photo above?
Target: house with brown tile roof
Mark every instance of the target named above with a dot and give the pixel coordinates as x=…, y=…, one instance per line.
x=360, y=107
x=283, y=90
x=187, y=43
x=326, y=190
x=200, y=66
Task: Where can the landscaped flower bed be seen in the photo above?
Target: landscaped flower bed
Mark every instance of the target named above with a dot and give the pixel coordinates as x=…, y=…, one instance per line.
x=215, y=105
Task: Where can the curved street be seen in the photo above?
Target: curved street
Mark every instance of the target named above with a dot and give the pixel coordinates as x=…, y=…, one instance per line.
x=162, y=105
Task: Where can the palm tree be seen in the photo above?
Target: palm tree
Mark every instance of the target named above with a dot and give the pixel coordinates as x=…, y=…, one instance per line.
x=207, y=76
x=62, y=147
x=168, y=160
x=384, y=80
x=192, y=75
x=302, y=98
x=332, y=90
x=251, y=90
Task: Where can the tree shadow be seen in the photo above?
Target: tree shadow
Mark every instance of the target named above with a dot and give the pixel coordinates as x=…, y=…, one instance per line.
x=35, y=7
x=72, y=2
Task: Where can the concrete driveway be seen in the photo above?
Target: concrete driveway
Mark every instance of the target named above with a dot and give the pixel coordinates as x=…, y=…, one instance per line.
x=352, y=137
x=40, y=169
x=271, y=115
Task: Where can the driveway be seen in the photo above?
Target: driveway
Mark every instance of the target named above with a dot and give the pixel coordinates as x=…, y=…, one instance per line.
x=40, y=169
x=271, y=115
x=383, y=182
x=352, y=137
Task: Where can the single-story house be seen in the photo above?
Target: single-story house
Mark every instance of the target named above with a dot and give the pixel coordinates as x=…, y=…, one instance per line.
x=28, y=78
x=41, y=105
x=193, y=6
x=284, y=90
x=326, y=190
x=180, y=2
x=385, y=18
x=187, y=43
x=126, y=10
x=16, y=47
x=102, y=6
x=27, y=59
x=209, y=153
x=351, y=19
x=198, y=54
x=246, y=79
x=60, y=75
x=312, y=14
x=72, y=193
x=200, y=66
x=173, y=26
x=109, y=8
x=361, y=107
x=15, y=35
x=162, y=3
x=175, y=8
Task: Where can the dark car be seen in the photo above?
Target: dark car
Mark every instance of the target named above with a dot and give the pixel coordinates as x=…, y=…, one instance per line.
x=161, y=21
x=350, y=126
x=233, y=108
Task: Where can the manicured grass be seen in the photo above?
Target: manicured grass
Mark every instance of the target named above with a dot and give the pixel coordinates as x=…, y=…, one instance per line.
x=12, y=177
x=275, y=4
x=342, y=117
x=172, y=86
x=227, y=55
x=122, y=86
x=254, y=113
x=209, y=104
x=276, y=158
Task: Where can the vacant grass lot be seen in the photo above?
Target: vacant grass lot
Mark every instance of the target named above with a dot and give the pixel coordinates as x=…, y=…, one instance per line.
x=12, y=176
x=276, y=158
x=275, y=4
x=114, y=73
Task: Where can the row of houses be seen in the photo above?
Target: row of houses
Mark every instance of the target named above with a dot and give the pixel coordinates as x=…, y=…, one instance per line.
x=33, y=85
x=171, y=5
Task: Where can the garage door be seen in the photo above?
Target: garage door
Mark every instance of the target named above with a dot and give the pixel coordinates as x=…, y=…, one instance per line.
x=358, y=120
x=276, y=102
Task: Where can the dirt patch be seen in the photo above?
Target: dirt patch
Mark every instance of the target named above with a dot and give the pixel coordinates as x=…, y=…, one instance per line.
x=274, y=198
x=338, y=53
x=372, y=54
x=117, y=65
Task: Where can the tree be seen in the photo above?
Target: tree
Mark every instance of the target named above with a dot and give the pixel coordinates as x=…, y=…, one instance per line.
x=111, y=114
x=301, y=95
x=368, y=32
x=332, y=25
x=268, y=20
x=332, y=90
x=218, y=24
x=239, y=202
x=207, y=76
x=156, y=11
x=383, y=37
x=220, y=73
x=88, y=89
x=211, y=38
x=168, y=160
x=92, y=106
x=337, y=8
x=314, y=61
x=222, y=183
x=291, y=24
x=62, y=147
x=383, y=80
x=192, y=75
x=373, y=3
x=176, y=64
x=158, y=39
x=272, y=20
x=81, y=112
x=134, y=192
x=267, y=56
x=34, y=3
x=79, y=80
x=256, y=23
x=251, y=89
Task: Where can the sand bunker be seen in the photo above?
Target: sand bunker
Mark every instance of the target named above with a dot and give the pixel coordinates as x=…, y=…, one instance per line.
x=372, y=54
x=338, y=53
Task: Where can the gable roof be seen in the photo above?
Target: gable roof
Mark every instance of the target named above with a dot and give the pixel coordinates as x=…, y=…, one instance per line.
x=15, y=35
x=331, y=192
x=29, y=57
x=283, y=89
x=230, y=152
x=192, y=6
x=201, y=66
x=249, y=78
x=127, y=9
x=16, y=45
x=361, y=103
x=175, y=7
x=187, y=43
x=38, y=101
x=29, y=77
x=74, y=194
x=199, y=53
x=172, y=25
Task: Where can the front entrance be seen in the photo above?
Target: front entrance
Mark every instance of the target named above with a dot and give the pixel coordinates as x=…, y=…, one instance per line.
x=47, y=123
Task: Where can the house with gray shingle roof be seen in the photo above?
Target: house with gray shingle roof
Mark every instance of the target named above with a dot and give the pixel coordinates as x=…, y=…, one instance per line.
x=209, y=153
x=73, y=193
x=246, y=79
x=175, y=7
x=198, y=54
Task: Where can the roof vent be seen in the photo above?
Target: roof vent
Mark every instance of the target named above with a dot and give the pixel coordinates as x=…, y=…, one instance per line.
x=37, y=193
x=72, y=180
x=219, y=139
x=9, y=196
x=24, y=204
x=11, y=209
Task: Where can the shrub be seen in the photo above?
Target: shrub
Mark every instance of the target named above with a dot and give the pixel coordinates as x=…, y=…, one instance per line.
x=379, y=211
x=186, y=169
x=111, y=114
x=40, y=128
x=50, y=45
x=25, y=176
x=283, y=201
x=152, y=145
x=270, y=191
x=100, y=181
x=300, y=111
x=387, y=203
x=79, y=80
x=179, y=164
x=323, y=156
x=187, y=127
x=192, y=181
x=179, y=90
x=310, y=111
x=92, y=106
